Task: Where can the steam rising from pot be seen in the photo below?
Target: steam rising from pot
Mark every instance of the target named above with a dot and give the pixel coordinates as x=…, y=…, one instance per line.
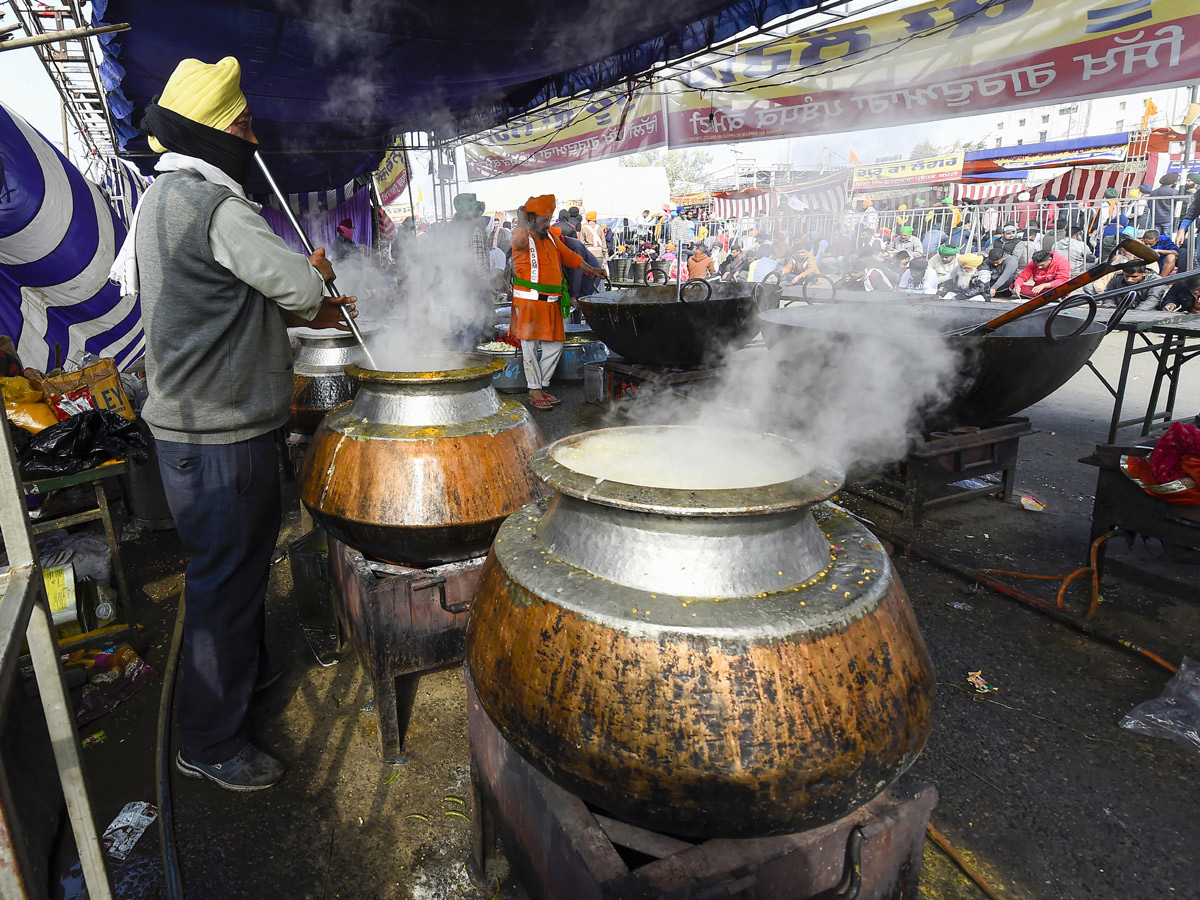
x=853, y=391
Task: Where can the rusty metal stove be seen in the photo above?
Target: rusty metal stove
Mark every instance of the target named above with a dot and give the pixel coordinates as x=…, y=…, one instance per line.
x=559, y=847
x=937, y=464
x=401, y=623
x=622, y=380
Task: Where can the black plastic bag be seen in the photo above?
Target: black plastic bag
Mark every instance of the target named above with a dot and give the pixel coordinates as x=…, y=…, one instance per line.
x=81, y=442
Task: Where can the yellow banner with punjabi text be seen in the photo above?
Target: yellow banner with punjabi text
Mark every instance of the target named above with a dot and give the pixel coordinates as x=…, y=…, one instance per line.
x=913, y=173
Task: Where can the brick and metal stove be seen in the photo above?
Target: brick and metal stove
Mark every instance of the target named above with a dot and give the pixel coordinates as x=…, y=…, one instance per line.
x=560, y=847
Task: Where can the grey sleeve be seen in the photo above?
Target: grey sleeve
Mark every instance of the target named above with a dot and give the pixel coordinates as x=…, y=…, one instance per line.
x=243, y=243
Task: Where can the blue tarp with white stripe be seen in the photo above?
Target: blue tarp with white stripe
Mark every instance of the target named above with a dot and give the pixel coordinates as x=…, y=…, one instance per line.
x=58, y=239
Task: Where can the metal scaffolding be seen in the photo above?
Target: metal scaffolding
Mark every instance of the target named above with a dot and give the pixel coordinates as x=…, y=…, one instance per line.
x=73, y=65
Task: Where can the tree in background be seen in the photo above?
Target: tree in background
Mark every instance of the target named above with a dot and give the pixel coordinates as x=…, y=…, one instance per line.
x=924, y=149
x=687, y=170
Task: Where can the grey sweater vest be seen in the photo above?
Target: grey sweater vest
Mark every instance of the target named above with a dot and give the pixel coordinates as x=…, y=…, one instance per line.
x=218, y=361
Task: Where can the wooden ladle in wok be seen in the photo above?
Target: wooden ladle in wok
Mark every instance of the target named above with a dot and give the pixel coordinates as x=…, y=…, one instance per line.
x=1141, y=253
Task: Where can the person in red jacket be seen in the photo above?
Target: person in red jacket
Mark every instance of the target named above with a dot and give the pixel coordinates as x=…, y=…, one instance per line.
x=1045, y=270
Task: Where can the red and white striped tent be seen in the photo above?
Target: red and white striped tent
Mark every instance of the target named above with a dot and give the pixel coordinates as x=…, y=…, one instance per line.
x=1085, y=184
x=754, y=202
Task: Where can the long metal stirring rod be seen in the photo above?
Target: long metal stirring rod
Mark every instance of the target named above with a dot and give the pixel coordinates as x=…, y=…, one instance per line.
x=333, y=292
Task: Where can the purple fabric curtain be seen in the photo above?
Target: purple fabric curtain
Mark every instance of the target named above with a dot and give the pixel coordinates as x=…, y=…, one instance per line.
x=322, y=225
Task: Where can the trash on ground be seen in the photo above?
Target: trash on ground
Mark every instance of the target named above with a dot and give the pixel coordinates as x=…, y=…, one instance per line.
x=129, y=825
x=1032, y=503
x=93, y=739
x=115, y=672
x=1176, y=712
x=957, y=604
x=976, y=680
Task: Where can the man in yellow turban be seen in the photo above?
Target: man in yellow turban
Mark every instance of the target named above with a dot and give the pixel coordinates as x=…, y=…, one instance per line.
x=218, y=290
x=540, y=300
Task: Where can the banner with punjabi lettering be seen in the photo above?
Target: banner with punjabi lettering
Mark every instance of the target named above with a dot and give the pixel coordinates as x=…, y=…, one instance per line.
x=944, y=59
x=607, y=124
x=913, y=173
x=391, y=178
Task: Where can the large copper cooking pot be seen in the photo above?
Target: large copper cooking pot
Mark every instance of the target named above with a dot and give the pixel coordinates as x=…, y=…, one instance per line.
x=319, y=377
x=732, y=662
x=422, y=466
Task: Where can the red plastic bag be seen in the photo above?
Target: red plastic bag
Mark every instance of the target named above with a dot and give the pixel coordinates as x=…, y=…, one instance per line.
x=72, y=403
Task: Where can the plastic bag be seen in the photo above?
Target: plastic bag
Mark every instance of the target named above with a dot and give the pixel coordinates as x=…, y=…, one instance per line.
x=82, y=442
x=19, y=390
x=1176, y=712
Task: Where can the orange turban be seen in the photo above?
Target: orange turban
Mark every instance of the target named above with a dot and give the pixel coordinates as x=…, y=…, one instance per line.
x=540, y=206
x=591, y=216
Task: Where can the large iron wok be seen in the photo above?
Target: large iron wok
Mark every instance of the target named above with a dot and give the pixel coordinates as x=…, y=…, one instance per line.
x=999, y=373
x=653, y=326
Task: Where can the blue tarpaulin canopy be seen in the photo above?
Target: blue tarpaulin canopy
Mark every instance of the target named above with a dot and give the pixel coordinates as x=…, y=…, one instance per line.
x=330, y=81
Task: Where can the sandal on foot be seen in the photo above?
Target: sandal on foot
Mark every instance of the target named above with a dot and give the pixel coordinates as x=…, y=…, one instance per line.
x=551, y=399
x=541, y=404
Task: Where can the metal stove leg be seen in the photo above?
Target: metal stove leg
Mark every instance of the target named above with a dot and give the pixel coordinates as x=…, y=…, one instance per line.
x=483, y=826
x=394, y=699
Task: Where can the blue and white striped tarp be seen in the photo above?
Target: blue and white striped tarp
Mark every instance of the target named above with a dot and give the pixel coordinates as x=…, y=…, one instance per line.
x=58, y=239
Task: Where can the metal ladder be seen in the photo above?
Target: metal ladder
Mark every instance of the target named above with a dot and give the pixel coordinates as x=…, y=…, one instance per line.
x=25, y=617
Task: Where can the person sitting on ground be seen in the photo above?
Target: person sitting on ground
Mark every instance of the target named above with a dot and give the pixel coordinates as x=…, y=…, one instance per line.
x=1003, y=269
x=918, y=278
x=1026, y=247
x=1168, y=253
x=700, y=264
x=1183, y=296
x=907, y=242
x=764, y=265
x=1045, y=271
x=801, y=265
x=733, y=268
x=1078, y=254
x=875, y=278
x=967, y=281
x=943, y=262
x=1147, y=299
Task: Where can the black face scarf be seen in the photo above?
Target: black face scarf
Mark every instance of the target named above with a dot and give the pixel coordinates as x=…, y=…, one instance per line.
x=231, y=154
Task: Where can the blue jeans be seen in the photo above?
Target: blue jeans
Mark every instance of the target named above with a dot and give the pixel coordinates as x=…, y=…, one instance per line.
x=226, y=505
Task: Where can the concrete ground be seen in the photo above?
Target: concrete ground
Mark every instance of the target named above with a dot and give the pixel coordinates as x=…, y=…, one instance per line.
x=1040, y=789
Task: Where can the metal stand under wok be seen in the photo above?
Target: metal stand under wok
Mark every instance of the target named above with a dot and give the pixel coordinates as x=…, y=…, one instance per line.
x=940, y=467
x=559, y=847
x=402, y=623
x=623, y=380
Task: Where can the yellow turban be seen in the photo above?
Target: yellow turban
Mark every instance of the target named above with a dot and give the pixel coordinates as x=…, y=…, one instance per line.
x=971, y=260
x=540, y=206
x=591, y=216
x=211, y=95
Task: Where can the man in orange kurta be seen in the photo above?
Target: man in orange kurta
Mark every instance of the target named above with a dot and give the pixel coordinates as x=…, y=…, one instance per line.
x=539, y=256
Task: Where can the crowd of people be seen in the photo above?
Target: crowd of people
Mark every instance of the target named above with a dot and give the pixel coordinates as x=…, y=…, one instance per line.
x=945, y=250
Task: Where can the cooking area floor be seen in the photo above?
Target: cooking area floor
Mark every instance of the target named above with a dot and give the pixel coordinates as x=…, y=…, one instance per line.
x=1039, y=788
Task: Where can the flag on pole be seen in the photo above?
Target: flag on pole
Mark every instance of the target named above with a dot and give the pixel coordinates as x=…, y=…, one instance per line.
x=1151, y=110
x=853, y=157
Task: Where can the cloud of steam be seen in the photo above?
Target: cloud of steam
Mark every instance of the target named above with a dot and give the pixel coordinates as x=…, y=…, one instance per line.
x=853, y=390
x=435, y=299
